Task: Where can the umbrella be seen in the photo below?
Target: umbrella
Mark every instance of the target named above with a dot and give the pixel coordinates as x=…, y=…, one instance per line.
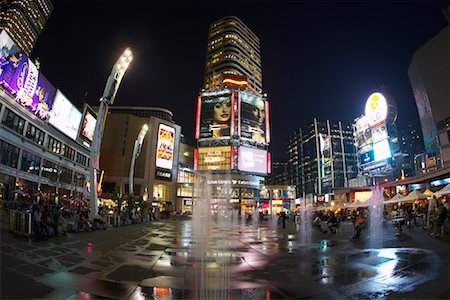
x=414, y=195
x=397, y=198
x=428, y=193
x=445, y=190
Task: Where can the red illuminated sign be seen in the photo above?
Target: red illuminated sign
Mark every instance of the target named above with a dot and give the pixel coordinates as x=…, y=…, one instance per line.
x=267, y=123
x=232, y=158
x=197, y=118
x=195, y=158
x=269, y=163
x=232, y=114
x=239, y=113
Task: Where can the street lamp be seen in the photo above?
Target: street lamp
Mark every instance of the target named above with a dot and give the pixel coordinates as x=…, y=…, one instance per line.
x=136, y=151
x=109, y=94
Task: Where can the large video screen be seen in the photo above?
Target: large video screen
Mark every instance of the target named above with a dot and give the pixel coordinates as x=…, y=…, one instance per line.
x=20, y=77
x=367, y=157
x=214, y=158
x=382, y=150
x=165, y=147
x=363, y=133
x=252, y=160
x=379, y=133
x=253, y=118
x=64, y=116
x=88, y=125
x=216, y=116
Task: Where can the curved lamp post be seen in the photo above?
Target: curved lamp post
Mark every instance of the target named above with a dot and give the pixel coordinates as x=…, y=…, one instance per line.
x=136, y=151
x=109, y=94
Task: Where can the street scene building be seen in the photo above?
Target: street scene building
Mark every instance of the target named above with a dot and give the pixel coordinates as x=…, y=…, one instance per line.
x=24, y=20
x=232, y=121
x=43, y=137
x=428, y=73
x=321, y=158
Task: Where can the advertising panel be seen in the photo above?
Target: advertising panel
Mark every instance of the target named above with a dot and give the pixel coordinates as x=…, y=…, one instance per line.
x=88, y=126
x=367, y=157
x=64, y=116
x=20, y=77
x=379, y=133
x=376, y=109
x=214, y=158
x=215, y=116
x=252, y=160
x=253, y=118
x=362, y=132
x=382, y=150
x=165, y=147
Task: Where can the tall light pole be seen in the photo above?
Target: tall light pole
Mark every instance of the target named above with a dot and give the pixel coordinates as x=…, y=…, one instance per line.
x=136, y=151
x=109, y=94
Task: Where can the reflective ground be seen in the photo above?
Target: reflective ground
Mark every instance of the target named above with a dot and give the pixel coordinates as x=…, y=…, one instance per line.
x=255, y=261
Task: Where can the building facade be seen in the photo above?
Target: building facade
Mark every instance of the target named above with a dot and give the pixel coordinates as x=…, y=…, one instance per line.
x=233, y=53
x=155, y=169
x=24, y=20
x=321, y=158
x=279, y=175
x=428, y=73
x=232, y=118
x=411, y=146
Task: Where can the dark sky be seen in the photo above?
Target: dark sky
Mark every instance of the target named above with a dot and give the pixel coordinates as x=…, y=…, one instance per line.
x=319, y=59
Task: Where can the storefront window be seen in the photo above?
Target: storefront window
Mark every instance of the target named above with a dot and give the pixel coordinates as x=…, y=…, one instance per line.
x=160, y=192
x=65, y=175
x=30, y=163
x=50, y=170
x=54, y=145
x=79, y=179
x=9, y=154
x=184, y=192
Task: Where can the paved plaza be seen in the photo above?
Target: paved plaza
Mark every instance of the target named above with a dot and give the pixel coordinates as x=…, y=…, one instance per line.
x=156, y=261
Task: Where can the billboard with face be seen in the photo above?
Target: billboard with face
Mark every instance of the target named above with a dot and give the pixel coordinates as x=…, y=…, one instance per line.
x=20, y=77
x=252, y=160
x=165, y=147
x=216, y=114
x=64, y=116
x=253, y=123
x=88, y=125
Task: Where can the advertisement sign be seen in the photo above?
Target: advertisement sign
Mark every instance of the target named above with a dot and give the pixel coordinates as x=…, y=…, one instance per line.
x=363, y=196
x=214, y=158
x=382, y=150
x=20, y=77
x=163, y=174
x=165, y=147
x=253, y=118
x=376, y=109
x=64, y=116
x=367, y=157
x=88, y=125
x=252, y=160
x=379, y=133
x=362, y=132
x=216, y=116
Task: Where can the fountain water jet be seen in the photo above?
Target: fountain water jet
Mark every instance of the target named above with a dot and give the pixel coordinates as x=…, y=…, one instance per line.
x=376, y=218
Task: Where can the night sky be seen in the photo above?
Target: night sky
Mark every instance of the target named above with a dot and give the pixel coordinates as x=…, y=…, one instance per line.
x=319, y=59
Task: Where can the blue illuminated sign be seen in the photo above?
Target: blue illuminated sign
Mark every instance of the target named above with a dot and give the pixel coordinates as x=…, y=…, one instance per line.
x=440, y=182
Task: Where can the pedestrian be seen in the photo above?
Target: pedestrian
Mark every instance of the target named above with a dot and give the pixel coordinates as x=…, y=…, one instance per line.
x=37, y=219
x=360, y=225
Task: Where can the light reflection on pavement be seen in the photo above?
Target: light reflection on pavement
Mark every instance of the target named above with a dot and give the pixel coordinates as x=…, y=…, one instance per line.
x=155, y=261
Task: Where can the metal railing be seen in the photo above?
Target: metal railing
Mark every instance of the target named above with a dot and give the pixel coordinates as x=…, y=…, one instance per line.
x=20, y=222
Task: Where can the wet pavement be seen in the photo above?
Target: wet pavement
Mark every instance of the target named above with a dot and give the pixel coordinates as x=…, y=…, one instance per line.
x=161, y=260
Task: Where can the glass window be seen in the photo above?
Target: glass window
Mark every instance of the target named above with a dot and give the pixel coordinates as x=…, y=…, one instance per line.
x=30, y=163
x=79, y=179
x=35, y=134
x=68, y=152
x=13, y=121
x=9, y=154
x=50, y=170
x=54, y=145
x=65, y=175
x=82, y=159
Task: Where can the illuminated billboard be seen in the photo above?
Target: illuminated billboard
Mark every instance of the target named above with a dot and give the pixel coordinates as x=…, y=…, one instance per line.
x=214, y=158
x=382, y=150
x=363, y=133
x=20, y=77
x=165, y=147
x=376, y=109
x=252, y=160
x=367, y=157
x=253, y=118
x=216, y=116
x=88, y=126
x=64, y=116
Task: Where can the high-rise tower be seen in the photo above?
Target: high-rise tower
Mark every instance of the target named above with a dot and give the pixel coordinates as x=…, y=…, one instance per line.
x=24, y=20
x=232, y=120
x=233, y=52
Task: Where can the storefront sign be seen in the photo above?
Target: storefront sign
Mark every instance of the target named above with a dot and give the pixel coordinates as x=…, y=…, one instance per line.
x=163, y=174
x=188, y=202
x=234, y=182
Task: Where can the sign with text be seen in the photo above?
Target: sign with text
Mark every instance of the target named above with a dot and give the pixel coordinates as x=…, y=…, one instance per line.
x=165, y=147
